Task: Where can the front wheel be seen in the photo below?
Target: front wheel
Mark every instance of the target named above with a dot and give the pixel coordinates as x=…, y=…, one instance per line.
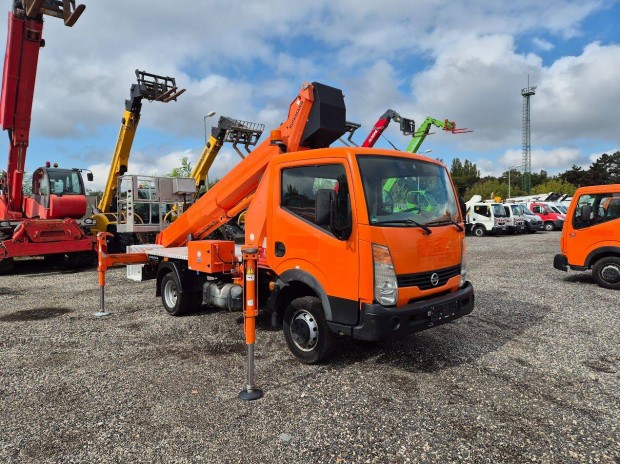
x=479, y=231
x=606, y=272
x=549, y=227
x=306, y=331
x=176, y=303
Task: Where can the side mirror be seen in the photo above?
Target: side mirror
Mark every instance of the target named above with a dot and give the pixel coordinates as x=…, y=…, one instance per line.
x=328, y=214
x=586, y=213
x=89, y=176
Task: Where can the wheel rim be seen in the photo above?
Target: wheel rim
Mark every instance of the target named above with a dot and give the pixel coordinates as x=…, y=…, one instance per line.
x=548, y=227
x=478, y=232
x=304, y=330
x=610, y=273
x=170, y=294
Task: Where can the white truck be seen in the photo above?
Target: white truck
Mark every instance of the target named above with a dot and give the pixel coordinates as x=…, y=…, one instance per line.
x=485, y=217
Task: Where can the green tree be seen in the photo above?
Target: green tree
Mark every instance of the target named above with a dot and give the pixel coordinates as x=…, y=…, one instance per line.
x=575, y=175
x=556, y=185
x=464, y=174
x=184, y=170
x=605, y=170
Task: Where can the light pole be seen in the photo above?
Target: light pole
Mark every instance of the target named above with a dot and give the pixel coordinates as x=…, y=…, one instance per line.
x=208, y=115
x=510, y=169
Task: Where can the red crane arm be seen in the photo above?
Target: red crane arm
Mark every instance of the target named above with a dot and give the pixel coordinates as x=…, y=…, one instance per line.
x=18, y=81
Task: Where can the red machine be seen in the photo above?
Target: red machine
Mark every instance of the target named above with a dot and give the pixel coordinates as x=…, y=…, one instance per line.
x=45, y=222
x=407, y=127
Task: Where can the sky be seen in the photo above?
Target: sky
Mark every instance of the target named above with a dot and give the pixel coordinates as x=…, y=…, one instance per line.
x=465, y=61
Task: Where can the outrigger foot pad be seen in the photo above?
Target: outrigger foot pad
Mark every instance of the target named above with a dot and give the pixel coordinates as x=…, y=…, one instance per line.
x=250, y=395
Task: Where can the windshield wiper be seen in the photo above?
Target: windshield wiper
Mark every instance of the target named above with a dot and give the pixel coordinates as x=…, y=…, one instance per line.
x=405, y=221
x=446, y=221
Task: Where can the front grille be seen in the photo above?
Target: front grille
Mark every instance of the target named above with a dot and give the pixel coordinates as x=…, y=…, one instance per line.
x=422, y=280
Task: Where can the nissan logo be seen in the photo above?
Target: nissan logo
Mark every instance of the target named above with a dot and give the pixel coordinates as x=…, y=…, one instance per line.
x=434, y=279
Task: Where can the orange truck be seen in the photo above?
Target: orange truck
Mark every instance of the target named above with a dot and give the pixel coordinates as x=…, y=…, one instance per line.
x=329, y=251
x=591, y=235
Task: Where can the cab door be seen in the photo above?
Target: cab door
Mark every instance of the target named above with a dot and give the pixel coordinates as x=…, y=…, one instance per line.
x=299, y=246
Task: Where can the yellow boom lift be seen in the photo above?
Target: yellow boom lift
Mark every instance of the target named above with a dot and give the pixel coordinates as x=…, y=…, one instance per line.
x=229, y=130
x=153, y=88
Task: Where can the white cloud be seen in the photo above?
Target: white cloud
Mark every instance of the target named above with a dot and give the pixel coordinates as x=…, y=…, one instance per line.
x=553, y=161
x=543, y=44
x=251, y=59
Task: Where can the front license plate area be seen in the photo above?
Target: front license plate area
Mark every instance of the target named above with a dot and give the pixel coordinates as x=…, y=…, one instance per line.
x=442, y=311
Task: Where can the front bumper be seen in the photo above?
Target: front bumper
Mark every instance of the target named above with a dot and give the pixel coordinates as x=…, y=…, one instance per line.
x=535, y=225
x=378, y=323
x=560, y=262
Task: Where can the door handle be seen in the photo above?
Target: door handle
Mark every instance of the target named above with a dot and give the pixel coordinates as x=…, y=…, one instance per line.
x=280, y=249
x=572, y=234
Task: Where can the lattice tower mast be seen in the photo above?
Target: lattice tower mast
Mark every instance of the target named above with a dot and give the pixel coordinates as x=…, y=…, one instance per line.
x=527, y=137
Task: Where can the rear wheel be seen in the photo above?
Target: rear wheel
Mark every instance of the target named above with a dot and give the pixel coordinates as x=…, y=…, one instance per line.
x=306, y=331
x=479, y=231
x=176, y=303
x=549, y=227
x=606, y=272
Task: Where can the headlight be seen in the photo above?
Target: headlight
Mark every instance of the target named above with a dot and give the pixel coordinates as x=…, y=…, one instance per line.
x=5, y=224
x=463, y=264
x=386, y=287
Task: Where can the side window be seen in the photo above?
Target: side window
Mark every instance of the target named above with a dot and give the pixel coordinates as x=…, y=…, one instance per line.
x=484, y=210
x=507, y=211
x=538, y=210
x=300, y=186
x=604, y=207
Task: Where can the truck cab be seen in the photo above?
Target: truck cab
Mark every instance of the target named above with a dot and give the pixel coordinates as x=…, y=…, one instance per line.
x=552, y=219
x=56, y=194
x=516, y=218
x=591, y=235
x=485, y=217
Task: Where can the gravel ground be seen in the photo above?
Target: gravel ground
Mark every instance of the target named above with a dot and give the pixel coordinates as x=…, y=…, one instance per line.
x=532, y=375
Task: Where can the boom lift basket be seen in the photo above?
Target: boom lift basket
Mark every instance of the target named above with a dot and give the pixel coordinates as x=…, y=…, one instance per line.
x=238, y=132
x=155, y=88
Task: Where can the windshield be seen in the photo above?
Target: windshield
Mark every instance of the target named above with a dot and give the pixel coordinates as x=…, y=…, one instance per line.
x=498, y=210
x=517, y=210
x=527, y=212
x=406, y=190
x=65, y=182
x=555, y=209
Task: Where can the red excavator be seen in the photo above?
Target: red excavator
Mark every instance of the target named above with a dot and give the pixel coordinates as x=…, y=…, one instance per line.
x=44, y=223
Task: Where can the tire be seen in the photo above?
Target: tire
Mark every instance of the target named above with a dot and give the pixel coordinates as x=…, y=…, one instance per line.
x=606, y=272
x=306, y=331
x=479, y=231
x=175, y=303
x=7, y=265
x=549, y=227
